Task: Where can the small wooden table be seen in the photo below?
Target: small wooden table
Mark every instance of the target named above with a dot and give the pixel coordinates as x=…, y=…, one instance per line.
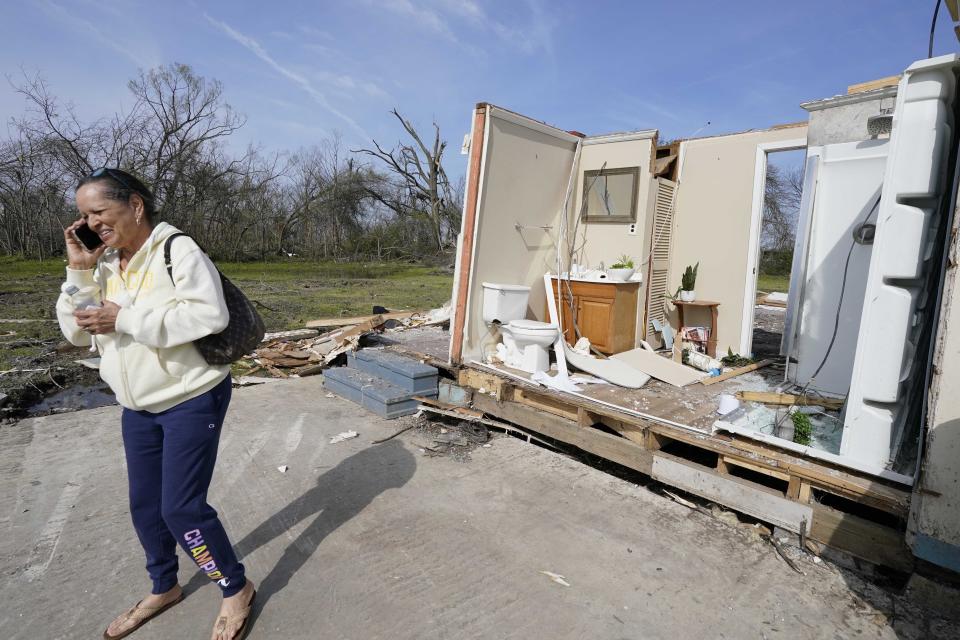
x=712, y=342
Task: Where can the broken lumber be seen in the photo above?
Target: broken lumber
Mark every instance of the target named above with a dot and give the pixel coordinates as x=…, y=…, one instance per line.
x=295, y=334
x=448, y=407
x=736, y=372
x=769, y=397
x=325, y=323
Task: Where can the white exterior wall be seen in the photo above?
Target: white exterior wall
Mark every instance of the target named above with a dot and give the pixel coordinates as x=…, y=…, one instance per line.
x=525, y=172
x=712, y=223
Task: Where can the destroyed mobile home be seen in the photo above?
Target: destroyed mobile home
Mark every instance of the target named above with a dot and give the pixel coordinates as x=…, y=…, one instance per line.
x=567, y=319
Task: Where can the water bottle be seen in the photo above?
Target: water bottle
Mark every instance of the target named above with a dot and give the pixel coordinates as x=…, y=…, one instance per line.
x=83, y=299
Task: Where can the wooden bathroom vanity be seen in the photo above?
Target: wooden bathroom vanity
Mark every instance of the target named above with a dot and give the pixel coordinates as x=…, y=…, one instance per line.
x=606, y=313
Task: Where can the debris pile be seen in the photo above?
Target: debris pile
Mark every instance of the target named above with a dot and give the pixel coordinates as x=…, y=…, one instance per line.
x=306, y=352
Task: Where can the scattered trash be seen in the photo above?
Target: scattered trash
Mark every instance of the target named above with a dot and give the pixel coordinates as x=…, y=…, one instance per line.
x=733, y=373
x=90, y=363
x=345, y=435
x=487, y=446
x=703, y=362
x=331, y=395
x=556, y=577
x=282, y=468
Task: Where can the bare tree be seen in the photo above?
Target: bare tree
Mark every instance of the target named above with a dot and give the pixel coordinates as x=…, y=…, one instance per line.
x=424, y=190
x=781, y=203
x=320, y=203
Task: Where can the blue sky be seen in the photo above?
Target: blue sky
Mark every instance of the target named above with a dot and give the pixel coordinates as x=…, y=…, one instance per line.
x=301, y=70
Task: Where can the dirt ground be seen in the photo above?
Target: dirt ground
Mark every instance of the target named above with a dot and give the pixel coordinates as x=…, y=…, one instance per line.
x=767, y=331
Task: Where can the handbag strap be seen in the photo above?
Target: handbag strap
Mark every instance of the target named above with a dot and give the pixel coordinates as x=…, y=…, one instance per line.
x=166, y=252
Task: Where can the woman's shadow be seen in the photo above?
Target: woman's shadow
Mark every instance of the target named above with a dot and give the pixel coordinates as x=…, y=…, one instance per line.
x=339, y=495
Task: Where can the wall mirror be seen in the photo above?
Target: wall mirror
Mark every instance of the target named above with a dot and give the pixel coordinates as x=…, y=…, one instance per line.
x=610, y=195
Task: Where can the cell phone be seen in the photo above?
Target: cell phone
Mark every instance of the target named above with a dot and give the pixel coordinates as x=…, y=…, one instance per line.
x=87, y=237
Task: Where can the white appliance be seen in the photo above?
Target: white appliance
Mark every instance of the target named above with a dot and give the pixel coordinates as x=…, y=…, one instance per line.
x=525, y=342
x=890, y=366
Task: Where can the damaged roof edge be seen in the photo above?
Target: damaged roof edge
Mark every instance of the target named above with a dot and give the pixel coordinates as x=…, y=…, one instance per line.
x=776, y=127
x=622, y=136
x=850, y=98
x=518, y=118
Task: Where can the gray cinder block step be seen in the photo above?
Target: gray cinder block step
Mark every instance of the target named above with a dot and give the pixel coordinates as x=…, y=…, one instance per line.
x=385, y=399
x=404, y=372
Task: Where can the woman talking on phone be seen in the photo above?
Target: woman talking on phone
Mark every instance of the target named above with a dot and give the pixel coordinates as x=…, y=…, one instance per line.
x=143, y=323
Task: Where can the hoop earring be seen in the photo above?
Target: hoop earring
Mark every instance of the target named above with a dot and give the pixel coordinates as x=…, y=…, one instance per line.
x=138, y=221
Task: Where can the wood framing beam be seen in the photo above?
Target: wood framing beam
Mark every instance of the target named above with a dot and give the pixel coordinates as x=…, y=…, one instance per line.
x=742, y=495
x=469, y=228
x=865, y=539
x=819, y=475
x=605, y=445
x=862, y=538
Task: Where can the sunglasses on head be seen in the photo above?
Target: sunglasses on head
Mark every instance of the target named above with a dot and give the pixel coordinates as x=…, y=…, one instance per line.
x=116, y=175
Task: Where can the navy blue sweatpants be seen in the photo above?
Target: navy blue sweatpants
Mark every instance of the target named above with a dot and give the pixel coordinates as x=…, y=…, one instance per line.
x=170, y=458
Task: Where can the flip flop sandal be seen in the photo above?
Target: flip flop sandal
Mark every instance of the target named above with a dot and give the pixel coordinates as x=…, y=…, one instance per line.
x=223, y=622
x=140, y=615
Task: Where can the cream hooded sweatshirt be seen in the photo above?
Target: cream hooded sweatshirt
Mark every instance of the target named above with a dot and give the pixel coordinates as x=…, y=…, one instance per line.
x=150, y=362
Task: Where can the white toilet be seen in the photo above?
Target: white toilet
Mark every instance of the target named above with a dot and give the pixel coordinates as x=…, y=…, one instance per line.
x=525, y=342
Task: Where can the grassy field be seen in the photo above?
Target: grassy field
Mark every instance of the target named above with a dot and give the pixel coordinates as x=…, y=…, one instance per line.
x=287, y=294
x=770, y=283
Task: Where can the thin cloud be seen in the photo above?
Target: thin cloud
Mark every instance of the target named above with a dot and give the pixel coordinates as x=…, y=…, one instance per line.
x=127, y=50
x=254, y=47
x=424, y=17
x=529, y=38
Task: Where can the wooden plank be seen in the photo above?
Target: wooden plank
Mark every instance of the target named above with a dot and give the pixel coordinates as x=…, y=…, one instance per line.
x=793, y=488
x=295, y=334
x=547, y=403
x=609, y=447
x=773, y=473
x=326, y=323
x=628, y=431
x=465, y=259
x=453, y=408
x=767, y=397
x=586, y=419
x=736, y=372
x=729, y=491
x=473, y=379
x=865, y=539
x=870, y=85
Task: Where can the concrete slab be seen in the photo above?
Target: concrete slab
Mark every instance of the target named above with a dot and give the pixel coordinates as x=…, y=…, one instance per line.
x=361, y=541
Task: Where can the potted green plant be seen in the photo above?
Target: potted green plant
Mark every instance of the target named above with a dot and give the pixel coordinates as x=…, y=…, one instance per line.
x=687, y=283
x=622, y=270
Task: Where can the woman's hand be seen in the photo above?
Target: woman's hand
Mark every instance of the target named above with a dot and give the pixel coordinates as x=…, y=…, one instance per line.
x=77, y=255
x=98, y=320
